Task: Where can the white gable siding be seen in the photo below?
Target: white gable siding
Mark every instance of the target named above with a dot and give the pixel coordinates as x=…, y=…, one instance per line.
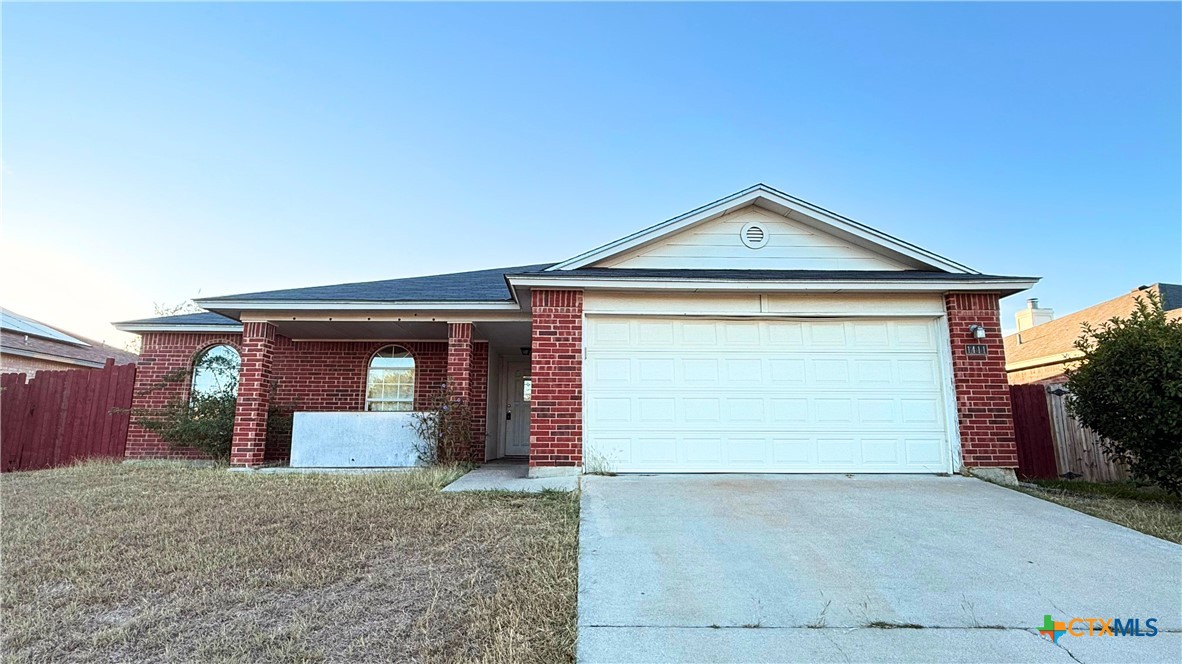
x=716, y=245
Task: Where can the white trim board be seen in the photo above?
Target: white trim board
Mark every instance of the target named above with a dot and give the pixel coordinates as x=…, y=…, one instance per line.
x=165, y=327
x=833, y=286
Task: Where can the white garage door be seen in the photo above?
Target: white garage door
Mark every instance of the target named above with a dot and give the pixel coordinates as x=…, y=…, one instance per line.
x=710, y=395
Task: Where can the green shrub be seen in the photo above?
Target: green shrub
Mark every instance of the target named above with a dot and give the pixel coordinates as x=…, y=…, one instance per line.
x=1128, y=389
x=204, y=421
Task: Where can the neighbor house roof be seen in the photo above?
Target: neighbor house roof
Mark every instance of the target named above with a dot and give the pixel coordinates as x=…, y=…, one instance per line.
x=1053, y=342
x=26, y=337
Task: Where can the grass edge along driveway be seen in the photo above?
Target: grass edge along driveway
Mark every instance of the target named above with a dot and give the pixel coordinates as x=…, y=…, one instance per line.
x=1145, y=509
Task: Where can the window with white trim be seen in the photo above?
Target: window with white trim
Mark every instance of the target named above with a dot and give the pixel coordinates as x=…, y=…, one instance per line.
x=391, y=382
x=215, y=372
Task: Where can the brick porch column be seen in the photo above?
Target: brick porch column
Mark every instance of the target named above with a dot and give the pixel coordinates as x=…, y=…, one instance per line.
x=982, y=390
x=254, y=395
x=556, y=404
x=478, y=395
x=459, y=369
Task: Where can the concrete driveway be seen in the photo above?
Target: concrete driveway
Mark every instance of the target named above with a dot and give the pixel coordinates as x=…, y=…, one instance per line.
x=758, y=568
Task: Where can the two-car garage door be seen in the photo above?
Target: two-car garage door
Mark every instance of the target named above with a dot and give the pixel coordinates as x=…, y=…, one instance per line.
x=746, y=395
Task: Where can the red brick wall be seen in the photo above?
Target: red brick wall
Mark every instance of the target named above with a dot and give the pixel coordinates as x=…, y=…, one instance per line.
x=162, y=353
x=982, y=390
x=254, y=394
x=479, y=400
x=556, y=406
x=308, y=376
x=316, y=376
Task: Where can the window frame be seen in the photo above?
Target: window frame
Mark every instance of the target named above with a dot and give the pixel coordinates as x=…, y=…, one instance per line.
x=195, y=366
x=408, y=375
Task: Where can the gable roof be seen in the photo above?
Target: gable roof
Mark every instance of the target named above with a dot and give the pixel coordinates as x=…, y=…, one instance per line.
x=905, y=267
x=27, y=337
x=1054, y=341
x=764, y=196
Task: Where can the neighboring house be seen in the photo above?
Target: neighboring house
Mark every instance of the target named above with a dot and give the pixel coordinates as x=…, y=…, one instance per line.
x=1044, y=347
x=28, y=346
x=759, y=333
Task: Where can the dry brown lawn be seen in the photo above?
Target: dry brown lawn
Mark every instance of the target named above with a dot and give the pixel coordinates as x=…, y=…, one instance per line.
x=106, y=562
x=1145, y=509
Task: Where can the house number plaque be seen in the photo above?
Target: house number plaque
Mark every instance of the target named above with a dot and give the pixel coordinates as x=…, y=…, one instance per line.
x=976, y=350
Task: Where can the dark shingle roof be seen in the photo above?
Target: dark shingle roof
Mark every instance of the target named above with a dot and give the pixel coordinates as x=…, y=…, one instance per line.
x=199, y=318
x=476, y=286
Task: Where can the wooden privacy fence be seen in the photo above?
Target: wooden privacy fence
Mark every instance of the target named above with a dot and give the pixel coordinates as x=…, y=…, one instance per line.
x=1051, y=443
x=59, y=417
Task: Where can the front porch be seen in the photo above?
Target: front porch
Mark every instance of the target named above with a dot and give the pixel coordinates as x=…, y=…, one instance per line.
x=518, y=372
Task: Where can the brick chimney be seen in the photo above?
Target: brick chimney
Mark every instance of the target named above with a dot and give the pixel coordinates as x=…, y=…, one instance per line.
x=1032, y=315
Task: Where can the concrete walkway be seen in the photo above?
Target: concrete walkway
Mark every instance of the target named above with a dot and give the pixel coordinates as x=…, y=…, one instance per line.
x=510, y=476
x=729, y=568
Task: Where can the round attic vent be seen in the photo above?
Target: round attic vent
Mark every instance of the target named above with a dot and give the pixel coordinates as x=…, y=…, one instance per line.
x=754, y=235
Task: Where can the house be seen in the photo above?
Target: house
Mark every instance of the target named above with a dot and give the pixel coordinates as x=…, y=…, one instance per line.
x=758, y=333
x=28, y=346
x=1044, y=347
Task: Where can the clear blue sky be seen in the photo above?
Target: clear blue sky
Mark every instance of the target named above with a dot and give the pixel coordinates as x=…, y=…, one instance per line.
x=155, y=152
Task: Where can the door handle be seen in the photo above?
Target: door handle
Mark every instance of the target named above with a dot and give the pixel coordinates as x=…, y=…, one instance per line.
x=508, y=415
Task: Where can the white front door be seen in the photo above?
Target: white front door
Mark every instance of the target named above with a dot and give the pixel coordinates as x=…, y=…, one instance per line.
x=717, y=395
x=517, y=386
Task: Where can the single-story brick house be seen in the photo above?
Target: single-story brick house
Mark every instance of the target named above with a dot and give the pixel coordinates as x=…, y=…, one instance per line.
x=758, y=333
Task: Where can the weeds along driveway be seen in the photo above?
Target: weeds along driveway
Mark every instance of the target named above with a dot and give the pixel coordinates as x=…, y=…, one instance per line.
x=160, y=563
x=868, y=568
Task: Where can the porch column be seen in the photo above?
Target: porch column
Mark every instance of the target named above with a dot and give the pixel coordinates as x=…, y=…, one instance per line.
x=459, y=368
x=983, y=407
x=478, y=392
x=556, y=401
x=254, y=394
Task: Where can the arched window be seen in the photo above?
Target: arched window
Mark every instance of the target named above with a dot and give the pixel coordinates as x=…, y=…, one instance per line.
x=391, y=383
x=215, y=371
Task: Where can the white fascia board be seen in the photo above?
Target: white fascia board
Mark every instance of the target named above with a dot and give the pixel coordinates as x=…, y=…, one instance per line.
x=751, y=195
x=141, y=328
x=617, y=283
x=346, y=305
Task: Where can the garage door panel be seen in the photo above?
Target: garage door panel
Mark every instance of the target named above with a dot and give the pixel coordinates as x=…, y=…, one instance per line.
x=743, y=411
x=651, y=333
x=702, y=451
x=793, y=452
x=698, y=395
x=747, y=451
x=661, y=410
x=655, y=450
